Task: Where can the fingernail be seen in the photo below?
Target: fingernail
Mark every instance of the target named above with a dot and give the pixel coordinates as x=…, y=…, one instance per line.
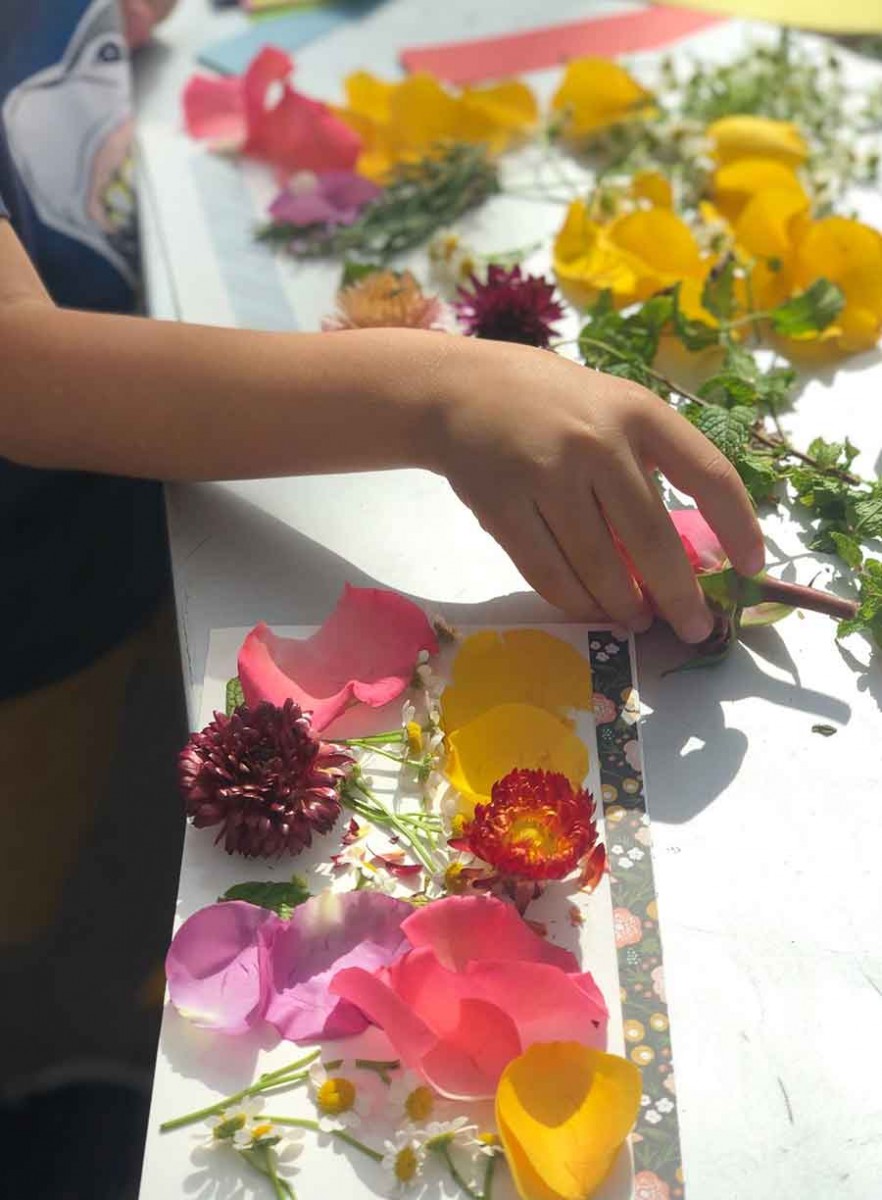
x=641, y=623
x=698, y=627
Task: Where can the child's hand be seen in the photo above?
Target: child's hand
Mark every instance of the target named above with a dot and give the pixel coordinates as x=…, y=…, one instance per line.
x=555, y=460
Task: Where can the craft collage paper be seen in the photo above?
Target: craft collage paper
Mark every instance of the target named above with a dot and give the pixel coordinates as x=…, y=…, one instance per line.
x=613, y=931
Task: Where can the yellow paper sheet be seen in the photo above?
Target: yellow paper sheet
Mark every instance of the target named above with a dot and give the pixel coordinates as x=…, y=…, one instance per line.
x=832, y=16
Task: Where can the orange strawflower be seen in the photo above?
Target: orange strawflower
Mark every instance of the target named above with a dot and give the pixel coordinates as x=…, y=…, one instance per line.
x=537, y=826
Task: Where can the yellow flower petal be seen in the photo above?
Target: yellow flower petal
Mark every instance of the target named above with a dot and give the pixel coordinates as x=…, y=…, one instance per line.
x=498, y=114
x=595, y=94
x=586, y=263
x=661, y=246
x=747, y=136
x=849, y=254
x=766, y=226
x=654, y=187
x=369, y=97
x=525, y=666
x=401, y=122
x=736, y=182
x=563, y=1112
x=509, y=736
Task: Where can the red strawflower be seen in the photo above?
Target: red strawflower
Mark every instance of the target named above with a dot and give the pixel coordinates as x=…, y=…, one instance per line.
x=509, y=307
x=264, y=777
x=536, y=826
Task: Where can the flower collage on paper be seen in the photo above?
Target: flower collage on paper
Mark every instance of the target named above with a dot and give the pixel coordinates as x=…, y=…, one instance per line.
x=706, y=231
x=443, y=1032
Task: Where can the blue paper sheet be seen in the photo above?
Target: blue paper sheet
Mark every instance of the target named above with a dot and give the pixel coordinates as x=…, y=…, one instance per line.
x=230, y=56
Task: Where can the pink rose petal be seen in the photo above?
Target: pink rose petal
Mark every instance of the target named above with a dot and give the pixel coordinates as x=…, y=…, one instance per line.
x=214, y=965
x=214, y=110
x=325, y=935
x=261, y=114
x=365, y=651
x=459, y=1014
x=701, y=544
x=466, y=929
x=291, y=131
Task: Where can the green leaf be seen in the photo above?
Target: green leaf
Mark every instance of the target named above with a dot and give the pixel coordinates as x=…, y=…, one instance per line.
x=354, y=272
x=775, y=388
x=810, y=312
x=832, y=454
x=847, y=548
x=825, y=730
x=869, y=615
x=281, y=898
x=695, y=335
x=866, y=513
x=234, y=695
x=727, y=428
x=621, y=345
x=728, y=390
x=728, y=589
x=757, y=616
x=759, y=475
x=718, y=293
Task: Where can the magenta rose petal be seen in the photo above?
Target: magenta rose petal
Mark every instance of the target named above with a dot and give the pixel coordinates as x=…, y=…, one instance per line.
x=365, y=651
x=328, y=934
x=214, y=968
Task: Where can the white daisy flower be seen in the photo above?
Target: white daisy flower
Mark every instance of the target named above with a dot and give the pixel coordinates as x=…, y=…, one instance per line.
x=340, y=1101
x=485, y=1143
x=233, y=1126
x=403, y=1160
x=441, y=1133
x=412, y=1098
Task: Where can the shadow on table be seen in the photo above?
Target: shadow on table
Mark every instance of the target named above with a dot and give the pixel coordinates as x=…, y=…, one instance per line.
x=685, y=736
x=275, y=560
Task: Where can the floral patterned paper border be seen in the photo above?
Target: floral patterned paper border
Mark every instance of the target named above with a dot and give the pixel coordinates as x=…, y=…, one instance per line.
x=656, y=1139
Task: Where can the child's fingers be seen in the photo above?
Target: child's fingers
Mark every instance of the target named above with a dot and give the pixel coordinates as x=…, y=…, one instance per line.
x=636, y=512
x=583, y=535
x=696, y=466
x=525, y=536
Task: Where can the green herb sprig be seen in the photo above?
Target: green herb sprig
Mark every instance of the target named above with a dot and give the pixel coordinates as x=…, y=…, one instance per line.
x=420, y=198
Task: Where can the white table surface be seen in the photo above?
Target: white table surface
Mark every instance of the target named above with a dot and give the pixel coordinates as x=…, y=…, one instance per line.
x=767, y=836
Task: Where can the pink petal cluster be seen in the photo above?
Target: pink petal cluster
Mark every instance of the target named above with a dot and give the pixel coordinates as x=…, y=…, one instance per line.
x=332, y=198
x=365, y=652
x=475, y=989
x=232, y=965
x=261, y=115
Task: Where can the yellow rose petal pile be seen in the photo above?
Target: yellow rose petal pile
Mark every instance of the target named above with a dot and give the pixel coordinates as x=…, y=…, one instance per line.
x=402, y=122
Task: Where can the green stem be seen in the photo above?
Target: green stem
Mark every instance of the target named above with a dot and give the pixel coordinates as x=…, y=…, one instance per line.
x=379, y=815
x=375, y=749
x=455, y=1174
x=380, y=739
x=283, y=1076
x=340, y=1134
x=488, y=1177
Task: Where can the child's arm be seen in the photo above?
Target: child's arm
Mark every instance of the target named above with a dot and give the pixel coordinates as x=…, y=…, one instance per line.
x=544, y=451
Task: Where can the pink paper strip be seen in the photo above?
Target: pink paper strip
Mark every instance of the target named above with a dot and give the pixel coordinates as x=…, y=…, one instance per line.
x=605, y=37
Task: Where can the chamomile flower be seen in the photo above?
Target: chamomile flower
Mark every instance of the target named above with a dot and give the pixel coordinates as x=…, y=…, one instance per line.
x=486, y=1143
x=411, y=1098
x=235, y=1125
x=403, y=1161
x=442, y=1133
x=337, y=1096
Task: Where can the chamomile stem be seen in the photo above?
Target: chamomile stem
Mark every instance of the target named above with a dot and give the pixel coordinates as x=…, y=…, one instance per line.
x=340, y=1134
x=456, y=1176
x=488, y=1177
x=284, y=1076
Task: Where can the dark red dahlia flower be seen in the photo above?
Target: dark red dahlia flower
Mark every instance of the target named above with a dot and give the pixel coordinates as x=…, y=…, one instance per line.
x=537, y=826
x=509, y=307
x=263, y=776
